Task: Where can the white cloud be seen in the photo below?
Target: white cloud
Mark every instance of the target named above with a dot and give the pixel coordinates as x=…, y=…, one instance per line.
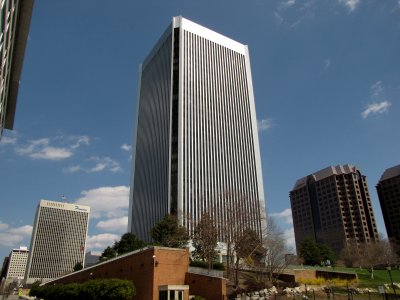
x=10, y=240
x=115, y=224
x=104, y=163
x=350, y=4
x=126, y=147
x=25, y=230
x=44, y=149
x=327, y=63
x=100, y=164
x=80, y=140
x=285, y=4
x=41, y=149
x=98, y=167
x=286, y=215
x=3, y=226
x=278, y=17
x=73, y=169
x=376, y=108
x=5, y=140
x=377, y=89
x=13, y=236
x=288, y=235
x=106, y=201
x=265, y=124
x=52, y=153
x=101, y=241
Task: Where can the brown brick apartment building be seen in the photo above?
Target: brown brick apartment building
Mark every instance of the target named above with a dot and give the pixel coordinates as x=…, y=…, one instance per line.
x=155, y=272
x=388, y=189
x=333, y=207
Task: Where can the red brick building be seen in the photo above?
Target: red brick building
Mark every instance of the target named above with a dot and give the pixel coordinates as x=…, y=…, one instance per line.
x=157, y=273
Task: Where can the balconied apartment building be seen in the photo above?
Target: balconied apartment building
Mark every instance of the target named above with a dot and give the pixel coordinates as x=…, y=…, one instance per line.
x=196, y=143
x=388, y=190
x=333, y=207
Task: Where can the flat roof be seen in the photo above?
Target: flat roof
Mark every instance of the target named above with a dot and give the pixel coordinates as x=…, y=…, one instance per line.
x=64, y=206
x=208, y=34
x=390, y=173
x=325, y=173
x=185, y=24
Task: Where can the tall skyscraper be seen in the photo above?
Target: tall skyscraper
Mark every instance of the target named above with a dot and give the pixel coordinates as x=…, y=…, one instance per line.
x=333, y=207
x=196, y=142
x=58, y=240
x=389, y=197
x=15, y=18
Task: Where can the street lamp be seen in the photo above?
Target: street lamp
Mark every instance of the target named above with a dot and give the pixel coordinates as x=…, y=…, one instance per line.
x=391, y=280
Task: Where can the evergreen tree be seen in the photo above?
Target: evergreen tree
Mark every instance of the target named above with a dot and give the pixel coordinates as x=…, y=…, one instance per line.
x=316, y=253
x=310, y=252
x=169, y=233
x=326, y=254
x=78, y=266
x=108, y=253
x=128, y=242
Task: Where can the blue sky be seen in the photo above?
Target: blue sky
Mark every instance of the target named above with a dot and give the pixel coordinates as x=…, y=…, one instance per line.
x=326, y=78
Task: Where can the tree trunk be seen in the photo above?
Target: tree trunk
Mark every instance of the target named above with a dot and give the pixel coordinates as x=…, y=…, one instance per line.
x=237, y=273
x=228, y=260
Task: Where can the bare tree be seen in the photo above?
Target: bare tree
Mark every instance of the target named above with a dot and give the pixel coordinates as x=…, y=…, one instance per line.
x=205, y=238
x=275, y=250
x=377, y=253
x=247, y=245
x=238, y=226
x=235, y=224
x=389, y=255
x=369, y=255
x=350, y=254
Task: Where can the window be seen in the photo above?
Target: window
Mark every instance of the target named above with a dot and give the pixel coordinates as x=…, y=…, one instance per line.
x=173, y=295
x=163, y=295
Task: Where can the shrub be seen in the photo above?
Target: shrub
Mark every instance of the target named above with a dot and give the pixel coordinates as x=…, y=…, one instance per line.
x=98, y=289
x=254, y=285
x=204, y=265
x=322, y=281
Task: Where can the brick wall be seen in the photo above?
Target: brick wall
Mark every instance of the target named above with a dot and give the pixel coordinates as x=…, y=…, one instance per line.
x=211, y=288
x=150, y=268
x=147, y=273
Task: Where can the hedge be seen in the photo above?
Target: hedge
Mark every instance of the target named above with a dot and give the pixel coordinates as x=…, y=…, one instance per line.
x=97, y=289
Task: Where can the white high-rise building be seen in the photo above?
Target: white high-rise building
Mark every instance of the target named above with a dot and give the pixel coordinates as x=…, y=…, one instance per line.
x=17, y=263
x=58, y=240
x=196, y=143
